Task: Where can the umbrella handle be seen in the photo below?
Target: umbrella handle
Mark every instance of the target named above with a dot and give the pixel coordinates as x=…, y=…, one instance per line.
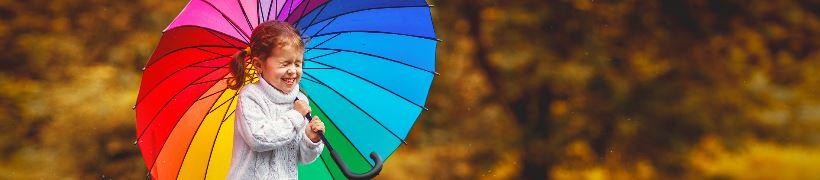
x=346, y=170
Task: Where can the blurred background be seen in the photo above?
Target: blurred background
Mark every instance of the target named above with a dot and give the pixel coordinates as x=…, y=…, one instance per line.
x=530, y=89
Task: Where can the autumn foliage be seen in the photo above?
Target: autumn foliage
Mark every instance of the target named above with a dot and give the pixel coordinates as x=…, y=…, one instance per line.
x=529, y=89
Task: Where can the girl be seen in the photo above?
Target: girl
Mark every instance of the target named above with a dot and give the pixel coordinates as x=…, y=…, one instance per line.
x=271, y=133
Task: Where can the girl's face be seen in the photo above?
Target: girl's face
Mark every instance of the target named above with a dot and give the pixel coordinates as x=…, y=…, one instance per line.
x=283, y=68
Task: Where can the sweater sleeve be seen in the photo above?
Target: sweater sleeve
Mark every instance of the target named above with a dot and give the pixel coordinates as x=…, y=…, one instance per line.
x=308, y=150
x=261, y=132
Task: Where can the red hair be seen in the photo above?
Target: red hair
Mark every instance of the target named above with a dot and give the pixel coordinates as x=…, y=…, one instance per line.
x=265, y=37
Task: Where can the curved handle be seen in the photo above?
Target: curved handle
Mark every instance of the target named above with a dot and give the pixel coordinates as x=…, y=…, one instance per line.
x=346, y=170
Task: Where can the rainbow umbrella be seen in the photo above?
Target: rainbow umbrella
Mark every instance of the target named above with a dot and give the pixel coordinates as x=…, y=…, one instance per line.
x=368, y=69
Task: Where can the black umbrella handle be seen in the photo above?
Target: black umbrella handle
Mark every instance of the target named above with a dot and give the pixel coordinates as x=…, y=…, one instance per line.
x=346, y=170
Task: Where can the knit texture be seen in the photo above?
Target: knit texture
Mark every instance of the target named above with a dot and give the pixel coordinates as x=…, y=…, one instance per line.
x=269, y=135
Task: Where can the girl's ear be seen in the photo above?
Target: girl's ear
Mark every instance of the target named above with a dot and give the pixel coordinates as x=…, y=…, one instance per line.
x=257, y=62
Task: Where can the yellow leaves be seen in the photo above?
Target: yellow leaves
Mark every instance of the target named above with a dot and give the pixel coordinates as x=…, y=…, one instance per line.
x=491, y=14
x=580, y=152
x=583, y=5
x=454, y=160
x=571, y=76
x=641, y=169
x=647, y=65
x=759, y=160
x=559, y=108
x=48, y=53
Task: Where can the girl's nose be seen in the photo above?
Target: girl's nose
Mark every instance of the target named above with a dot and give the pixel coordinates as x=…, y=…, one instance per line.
x=291, y=70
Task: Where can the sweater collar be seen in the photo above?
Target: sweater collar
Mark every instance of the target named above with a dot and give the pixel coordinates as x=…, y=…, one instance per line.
x=275, y=95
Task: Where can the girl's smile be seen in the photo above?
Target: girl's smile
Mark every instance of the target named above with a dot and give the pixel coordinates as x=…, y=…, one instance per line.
x=283, y=68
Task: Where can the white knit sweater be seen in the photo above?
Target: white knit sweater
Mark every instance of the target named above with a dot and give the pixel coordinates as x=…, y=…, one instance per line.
x=269, y=135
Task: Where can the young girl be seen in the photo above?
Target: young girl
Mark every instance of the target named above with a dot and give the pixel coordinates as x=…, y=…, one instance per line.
x=271, y=133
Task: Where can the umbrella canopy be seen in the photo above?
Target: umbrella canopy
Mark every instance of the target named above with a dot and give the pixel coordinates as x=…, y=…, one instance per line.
x=368, y=68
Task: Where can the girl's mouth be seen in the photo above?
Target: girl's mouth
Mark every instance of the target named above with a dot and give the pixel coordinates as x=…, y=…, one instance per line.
x=289, y=81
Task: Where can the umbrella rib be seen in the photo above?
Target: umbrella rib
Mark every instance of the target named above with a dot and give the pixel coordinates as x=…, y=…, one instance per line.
x=379, y=32
x=245, y=14
x=376, y=56
x=172, y=129
x=223, y=103
x=371, y=82
x=203, y=82
x=357, y=106
x=290, y=8
x=319, y=68
x=259, y=17
x=206, y=67
x=270, y=6
x=233, y=24
x=317, y=14
x=326, y=166
x=323, y=55
x=297, y=7
x=325, y=26
x=217, y=107
x=279, y=10
x=360, y=10
x=208, y=51
x=340, y=130
x=218, y=129
x=184, y=48
x=302, y=12
x=192, y=138
x=166, y=104
x=209, y=95
x=323, y=42
x=200, y=125
x=211, y=31
x=176, y=71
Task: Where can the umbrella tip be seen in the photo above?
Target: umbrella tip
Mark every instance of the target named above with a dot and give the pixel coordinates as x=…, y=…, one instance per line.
x=134, y=107
x=437, y=74
x=439, y=40
x=426, y=109
x=143, y=68
x=135, y=142
x=431, y=5
x=405, y=142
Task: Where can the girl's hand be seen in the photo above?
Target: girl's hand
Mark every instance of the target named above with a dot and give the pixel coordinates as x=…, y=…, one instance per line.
x=301, y=106
x=314, y=127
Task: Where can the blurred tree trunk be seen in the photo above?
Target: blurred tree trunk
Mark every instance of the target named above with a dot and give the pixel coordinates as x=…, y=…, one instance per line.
x=528, y=110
